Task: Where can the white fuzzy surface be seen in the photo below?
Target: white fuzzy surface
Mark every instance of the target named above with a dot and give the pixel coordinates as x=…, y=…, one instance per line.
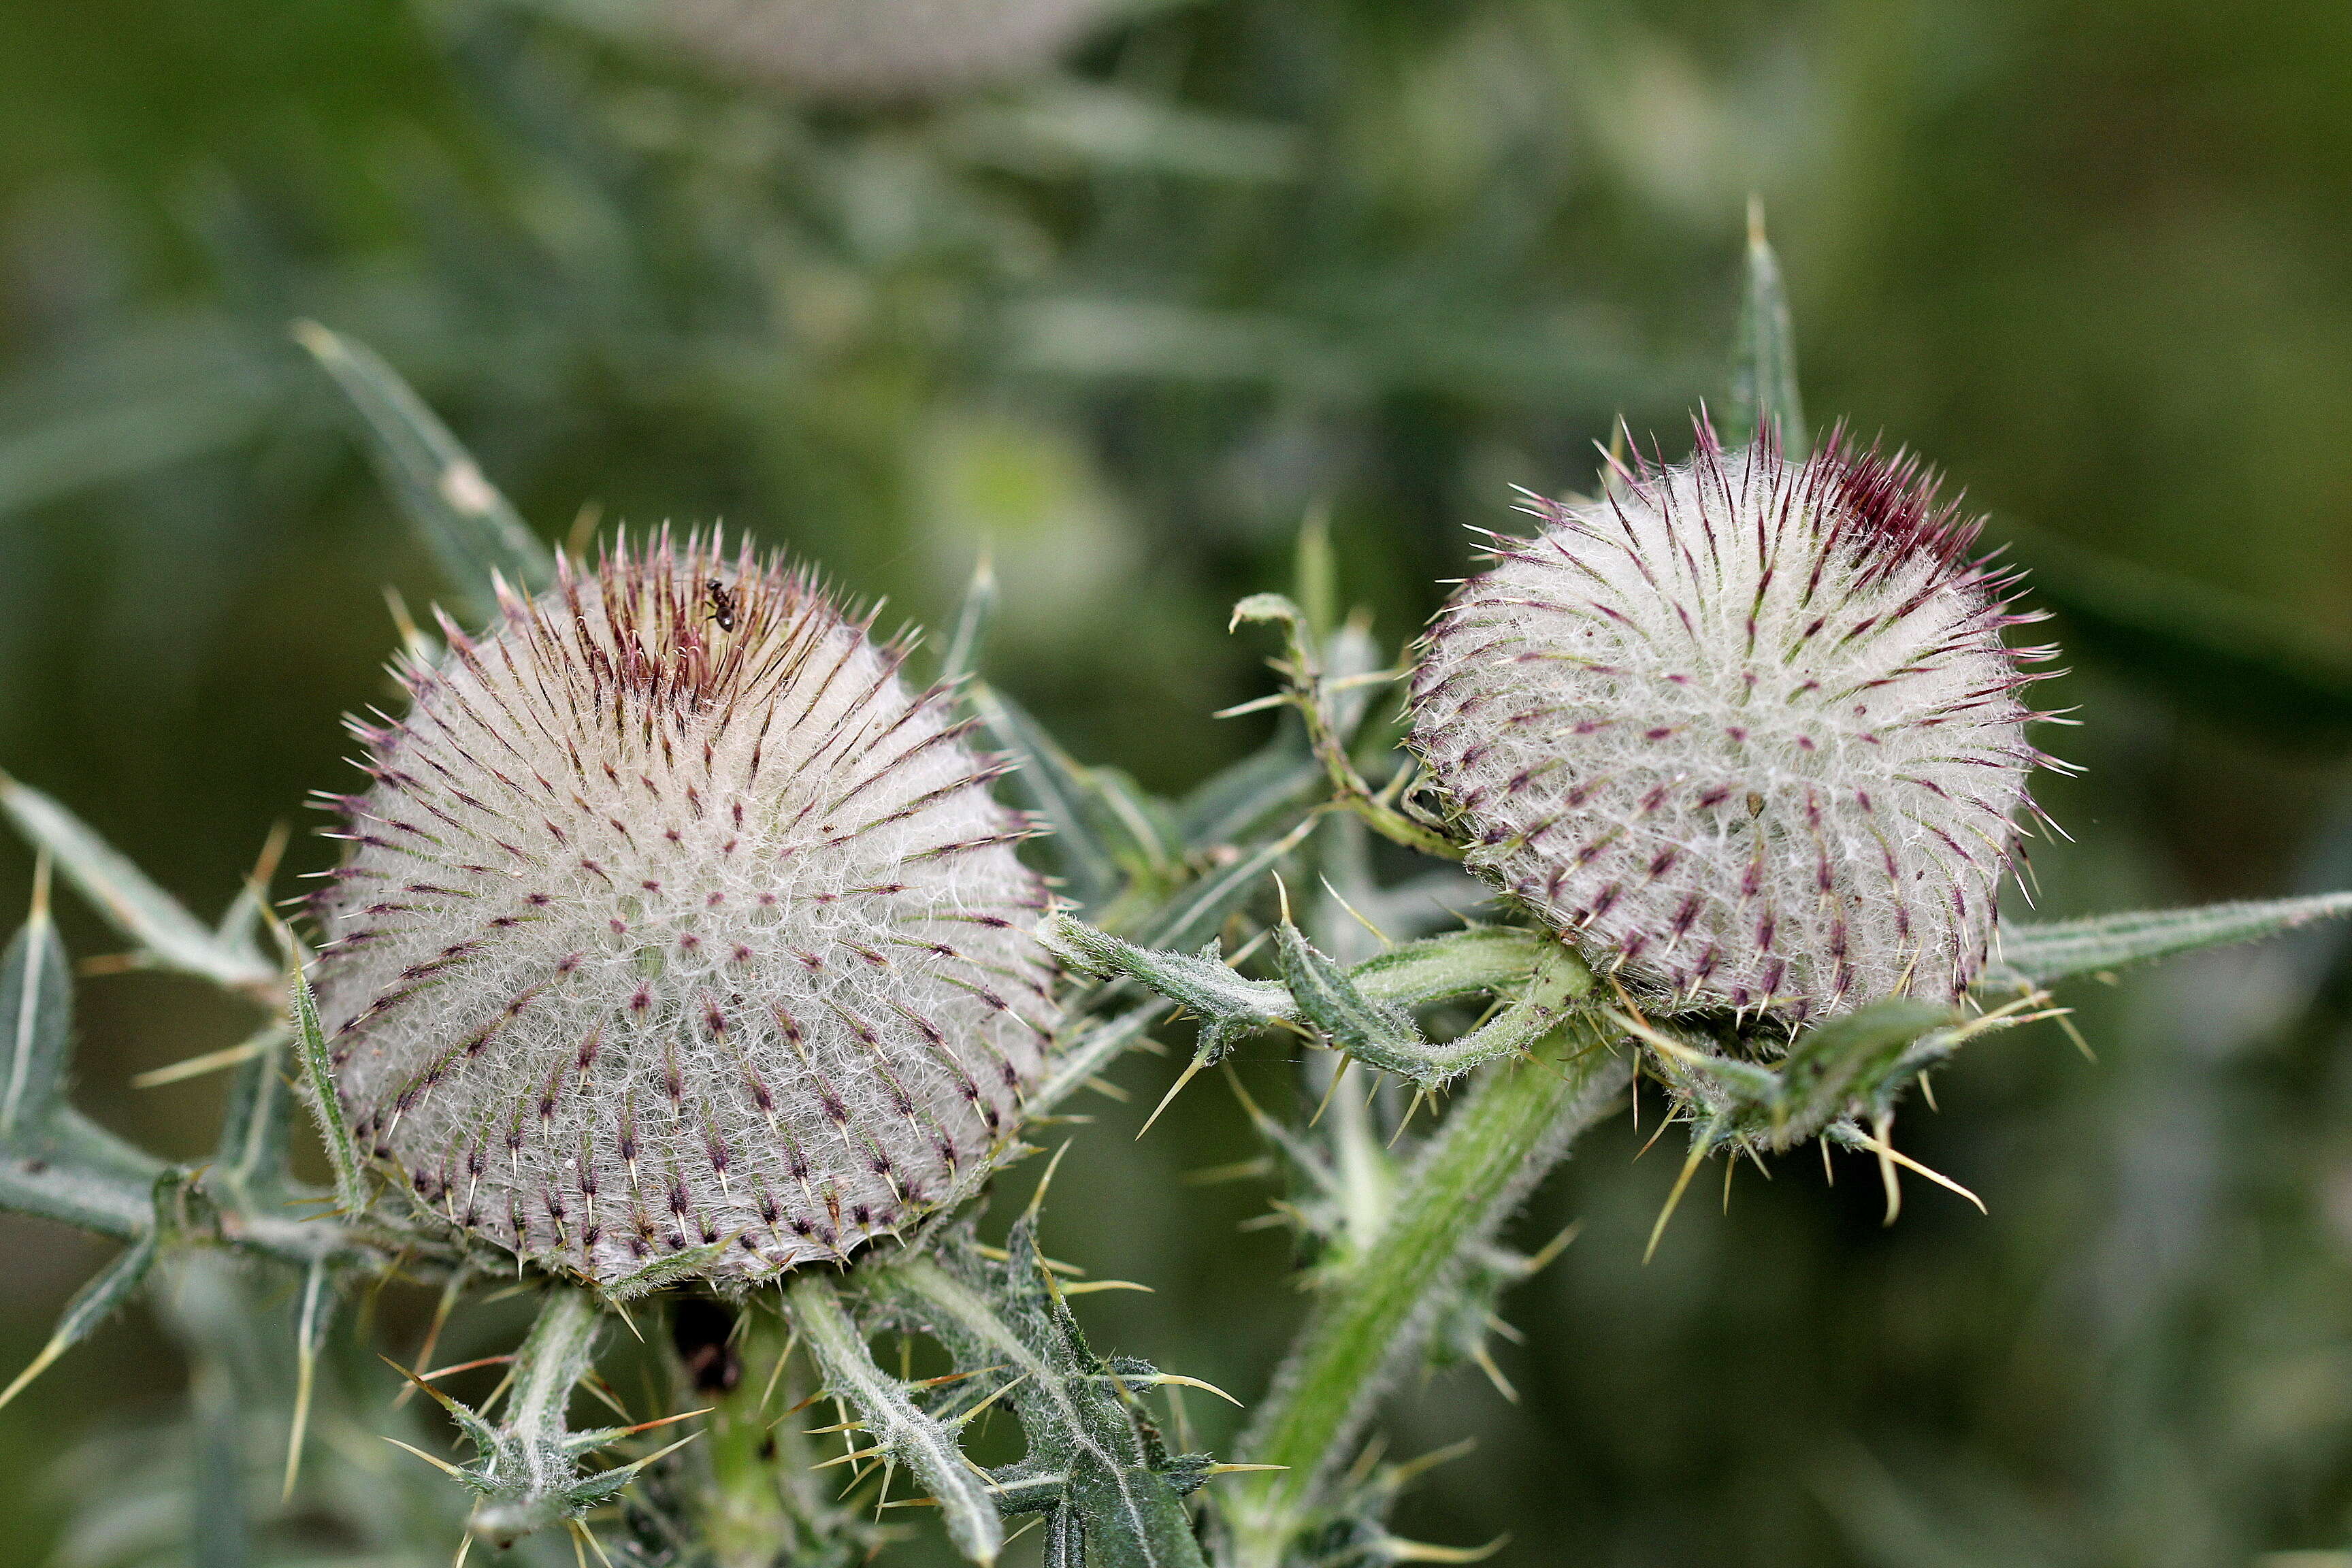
x=654, y=932
x=877, y=48
x=1746, y=730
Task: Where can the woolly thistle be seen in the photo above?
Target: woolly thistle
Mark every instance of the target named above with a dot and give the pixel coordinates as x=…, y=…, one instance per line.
x=1745, y=729
x=876, y=49
x=674, y=918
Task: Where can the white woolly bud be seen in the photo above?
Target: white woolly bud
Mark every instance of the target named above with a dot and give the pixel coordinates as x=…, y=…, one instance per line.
x=1745, y=730
x=876, y=49
x=673, y=917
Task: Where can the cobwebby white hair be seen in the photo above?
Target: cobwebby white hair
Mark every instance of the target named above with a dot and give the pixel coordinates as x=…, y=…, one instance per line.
x=673, y=917
x=1745, y=730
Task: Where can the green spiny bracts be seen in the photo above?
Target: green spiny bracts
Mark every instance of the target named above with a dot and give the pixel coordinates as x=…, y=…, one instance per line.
x=675, y=926
x=528, y=1471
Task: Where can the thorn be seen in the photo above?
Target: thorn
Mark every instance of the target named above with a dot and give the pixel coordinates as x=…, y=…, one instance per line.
x=464, y=1544
x=1486, y=1361
x=1888, y=1153
x=1194, y=1066
x=441, y=1311
x=441, y=1464
x=1080, y=1290
x=849, y=1458
x=1697, y=1154
x=1238, y=1469
x=1351, y=908
x=211, y=1061
x=1337, y=1073
x=593, y=1544
x=1397, y=1550
x=1550, y=1250
x=49, y=1353
x=1182, y=1381
x=1037, y=1199
x=306, y=1374
x=777, y=1376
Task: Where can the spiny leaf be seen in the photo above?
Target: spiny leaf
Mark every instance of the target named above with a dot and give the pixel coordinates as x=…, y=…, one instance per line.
x=167, y=935
x=36, y=1017
x=1378, y=1036
x=1764, y=392
x=318, y=1075
x=92, y=1306
x=473, y=532
x=2038, y=954
x=663, y=1270
x=1202, y=983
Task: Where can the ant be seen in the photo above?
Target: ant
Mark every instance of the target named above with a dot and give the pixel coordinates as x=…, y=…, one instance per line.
x=722, y=601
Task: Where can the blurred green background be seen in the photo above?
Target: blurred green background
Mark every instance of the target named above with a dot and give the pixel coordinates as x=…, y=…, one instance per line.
x=1124, y=314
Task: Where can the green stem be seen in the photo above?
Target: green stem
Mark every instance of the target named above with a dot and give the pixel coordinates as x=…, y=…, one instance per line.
x=766, y=1503
x=1514, y=1127
x=909, y=1435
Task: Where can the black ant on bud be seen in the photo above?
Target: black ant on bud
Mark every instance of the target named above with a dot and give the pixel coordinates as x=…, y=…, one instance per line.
x=721, y=600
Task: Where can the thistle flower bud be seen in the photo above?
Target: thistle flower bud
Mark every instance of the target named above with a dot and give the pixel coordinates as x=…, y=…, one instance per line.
x=1745, y=730
x=672, y=917
x=876, y=49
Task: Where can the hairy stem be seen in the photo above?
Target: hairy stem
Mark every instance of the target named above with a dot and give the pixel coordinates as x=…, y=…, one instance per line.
x=1514, y=1127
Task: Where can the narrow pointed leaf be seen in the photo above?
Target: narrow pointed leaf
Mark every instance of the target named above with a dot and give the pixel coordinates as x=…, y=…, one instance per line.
x=469, y=527
x=1764, y=370
x=326, y=1107
x=1194, y=916
x=35, y=1024
x=92, y=1306
x=108, y=1202
x=251, y=1155
x=2038, y=954
x=972, y=617
x=1057, y=789
x=1230, y=806
x=167, y=935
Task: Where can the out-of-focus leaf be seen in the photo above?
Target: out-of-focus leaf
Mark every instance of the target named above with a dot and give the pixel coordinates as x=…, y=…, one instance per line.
x=36, y=1017
x=169, y=937
x=2237, y=661
x=1231, y=805
x=92, y=1306
x=1764, y=367
x=1057, y=789
x=972, y=626
x=1194, y=917
x=2038, y=954
x=471, y=529
x=1070, y=127
x=251, y=1155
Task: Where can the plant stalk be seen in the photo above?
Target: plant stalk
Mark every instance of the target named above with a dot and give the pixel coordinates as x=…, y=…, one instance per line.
x=1515, y=1126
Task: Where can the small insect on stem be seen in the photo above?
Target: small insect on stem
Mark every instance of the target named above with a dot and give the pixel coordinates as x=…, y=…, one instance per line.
x=721, y=601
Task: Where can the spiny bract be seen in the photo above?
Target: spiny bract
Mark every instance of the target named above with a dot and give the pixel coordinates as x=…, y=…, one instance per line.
x=1745, y=729
x=877, y=49
x=674, y=918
